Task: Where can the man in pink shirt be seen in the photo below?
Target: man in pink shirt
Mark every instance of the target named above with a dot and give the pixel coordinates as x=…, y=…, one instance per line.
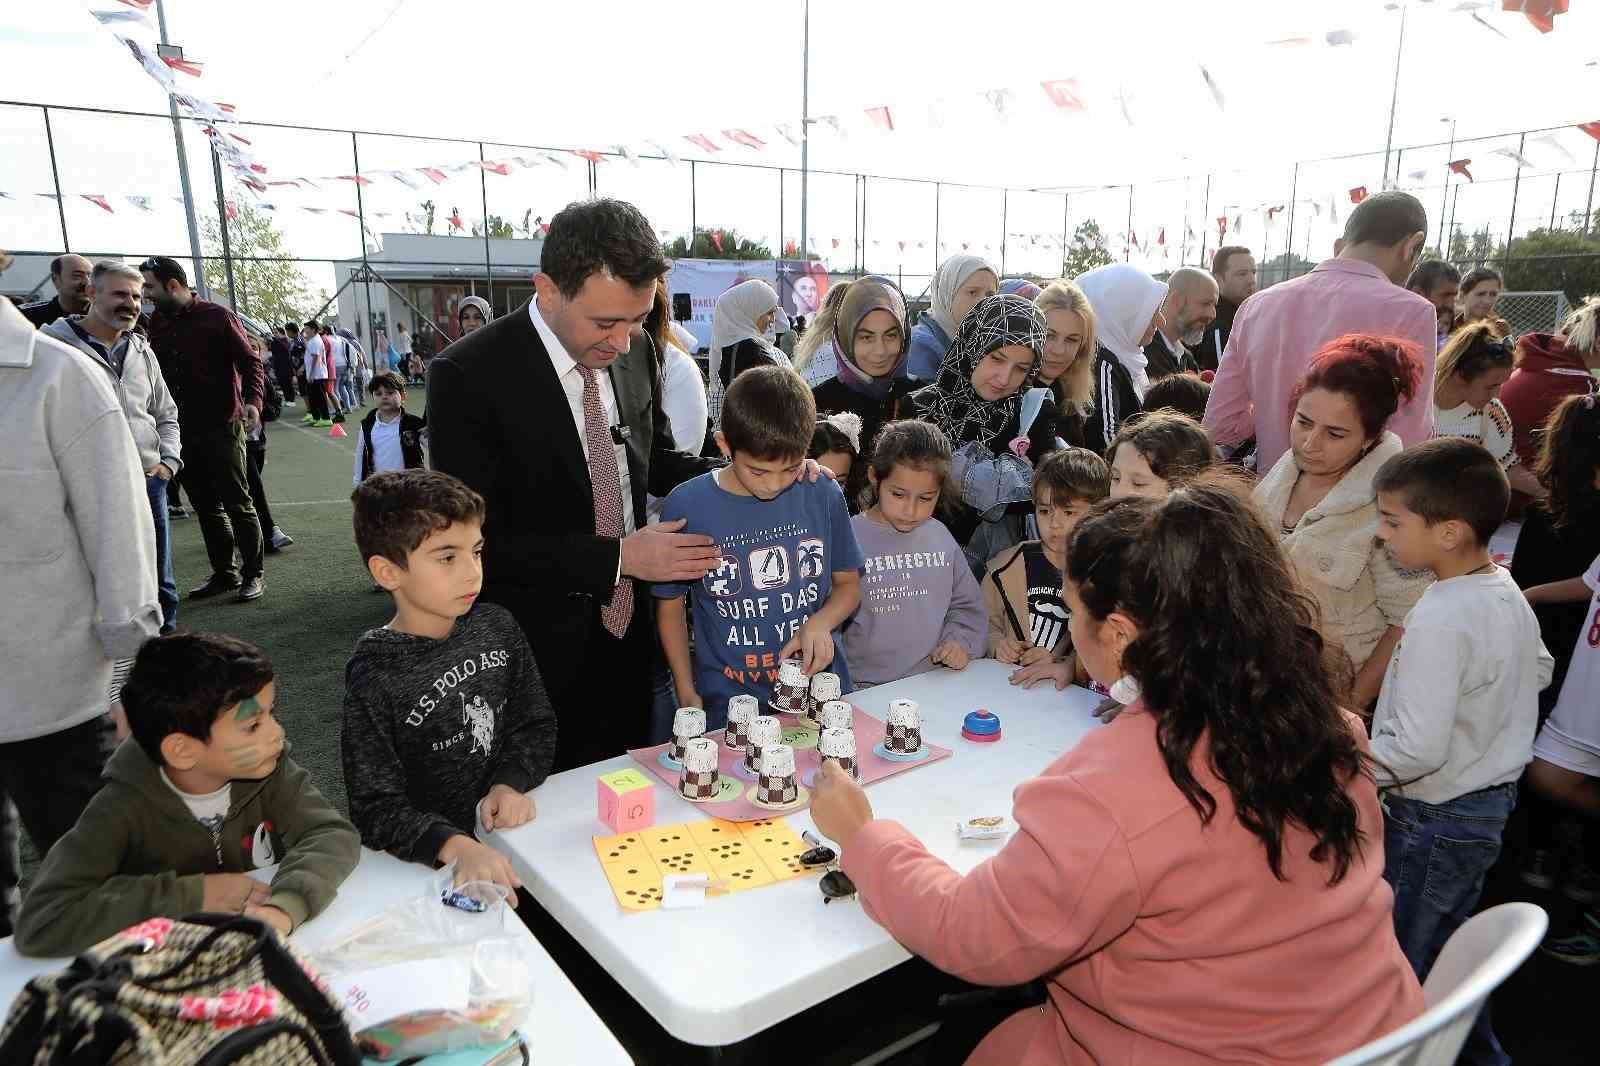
x=1360, y=290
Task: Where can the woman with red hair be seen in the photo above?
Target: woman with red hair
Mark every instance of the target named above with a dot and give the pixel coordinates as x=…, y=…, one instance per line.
x=1319, y=496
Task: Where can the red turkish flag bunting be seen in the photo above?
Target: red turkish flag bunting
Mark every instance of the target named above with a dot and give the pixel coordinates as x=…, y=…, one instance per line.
x=455, y=219
x=183, y=66
x=702, y=142
x=1063, y=92
x=588, y=153
x=98, y=201
x=1222, y=226
x=492, y=167
x=788, y=248
x=231, y=209
x=836, y=243
x=749, y=140
x=1542, y=13
x=359, y=179
x=1358, y=194
x=881, y=118
x=1459, y=166
x=433, y=174
x=347, y=211
x=142, y=5
x=1591, y=128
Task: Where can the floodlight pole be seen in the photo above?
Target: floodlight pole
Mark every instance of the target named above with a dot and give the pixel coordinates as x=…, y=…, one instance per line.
x=805, y=135
x=183, y=175
x=1394, y=98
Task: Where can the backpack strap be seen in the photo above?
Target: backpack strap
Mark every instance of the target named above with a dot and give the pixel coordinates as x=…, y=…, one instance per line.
x=1032, y=404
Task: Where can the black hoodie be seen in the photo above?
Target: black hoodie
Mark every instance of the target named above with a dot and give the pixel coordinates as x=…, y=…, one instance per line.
x=429, y=726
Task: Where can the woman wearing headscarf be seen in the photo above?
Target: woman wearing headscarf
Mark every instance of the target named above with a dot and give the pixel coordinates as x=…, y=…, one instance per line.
x=1127, y=312
x=867, y=328
x=739, y=337
x=959, y=283
x=473, y=314
x=816, y=361
x=998, y=425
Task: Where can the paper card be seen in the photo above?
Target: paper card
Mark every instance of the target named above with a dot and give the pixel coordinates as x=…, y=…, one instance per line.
x=374, y=996
x=679, y=891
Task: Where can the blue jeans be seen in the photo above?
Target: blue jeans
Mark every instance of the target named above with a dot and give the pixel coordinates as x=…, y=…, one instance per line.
x=348, y=389
x=1436, y=856
x=156, y=489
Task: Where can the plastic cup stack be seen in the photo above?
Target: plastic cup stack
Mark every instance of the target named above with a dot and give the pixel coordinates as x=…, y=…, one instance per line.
x=764, y=733
x=688, y=723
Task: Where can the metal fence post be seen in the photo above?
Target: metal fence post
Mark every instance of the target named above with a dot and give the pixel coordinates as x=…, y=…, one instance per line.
x=1588, y=210
x=366, y=268
x=1205, y=221
x=694, y=226
x=55, y=174
x=781, y=249
x=1127, y=238
x=222, y=226
x=1516, y=186
x=1288, y=244
x=483, y=191
x=938, y=193
x=1555, y=198
x=1066, y=228
x=863, y=264
x=1005, y=214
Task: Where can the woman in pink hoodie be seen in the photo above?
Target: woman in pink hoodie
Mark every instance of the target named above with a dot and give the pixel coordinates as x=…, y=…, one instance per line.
x=1201, y=880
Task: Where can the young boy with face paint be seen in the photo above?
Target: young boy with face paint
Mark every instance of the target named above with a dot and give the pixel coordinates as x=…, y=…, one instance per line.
x=202, y=791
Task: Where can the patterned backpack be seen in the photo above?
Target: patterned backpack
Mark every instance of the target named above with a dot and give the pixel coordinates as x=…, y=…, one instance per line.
x=209, y=989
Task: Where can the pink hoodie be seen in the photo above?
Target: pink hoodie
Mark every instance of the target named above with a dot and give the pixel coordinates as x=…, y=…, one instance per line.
x=1162, y=941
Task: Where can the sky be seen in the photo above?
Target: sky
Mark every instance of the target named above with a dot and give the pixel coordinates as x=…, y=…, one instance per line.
x=594, y=75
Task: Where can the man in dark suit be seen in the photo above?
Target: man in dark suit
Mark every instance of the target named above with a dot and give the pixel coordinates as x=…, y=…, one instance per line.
x=553, y=413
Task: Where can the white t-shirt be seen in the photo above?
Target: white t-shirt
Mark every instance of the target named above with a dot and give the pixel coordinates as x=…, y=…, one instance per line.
x=386, y=451
x=316, y=367
x=1460, y=700
x=1490, y=426
x=402, y=343
x=211, y=809
x=341, y=353
x=1576, y=718
x=683, y=397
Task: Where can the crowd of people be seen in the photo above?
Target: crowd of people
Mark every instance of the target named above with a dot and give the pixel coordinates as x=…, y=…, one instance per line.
x=1258, y=523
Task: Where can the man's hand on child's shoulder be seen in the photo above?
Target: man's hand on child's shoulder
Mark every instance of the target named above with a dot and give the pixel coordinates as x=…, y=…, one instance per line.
x=478, y=862
x=660, y=552
x=232, y=893
x=503, y=807
x=813, y=644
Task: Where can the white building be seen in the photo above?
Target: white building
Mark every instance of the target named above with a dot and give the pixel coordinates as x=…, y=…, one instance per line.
x=427, y=277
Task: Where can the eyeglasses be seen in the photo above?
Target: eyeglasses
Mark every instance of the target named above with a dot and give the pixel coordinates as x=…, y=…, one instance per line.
x=835, y=884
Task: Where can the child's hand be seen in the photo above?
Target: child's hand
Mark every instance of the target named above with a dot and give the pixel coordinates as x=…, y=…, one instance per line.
x=814, y=644
x=232, y=893
x=1008, y=650
x=1042, y=671
x=950, y=654
x=688, y=697
x=272, y=916
x=478, y=862
x=1032, y=653
x=503, y=807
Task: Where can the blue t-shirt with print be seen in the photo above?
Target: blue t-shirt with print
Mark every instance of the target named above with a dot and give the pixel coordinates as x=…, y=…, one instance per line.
x=778, y=561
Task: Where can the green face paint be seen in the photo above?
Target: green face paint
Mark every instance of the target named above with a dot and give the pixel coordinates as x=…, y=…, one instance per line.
x=248, y=708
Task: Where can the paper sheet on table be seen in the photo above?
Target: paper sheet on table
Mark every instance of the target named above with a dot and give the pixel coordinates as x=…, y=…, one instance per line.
x=373, y=996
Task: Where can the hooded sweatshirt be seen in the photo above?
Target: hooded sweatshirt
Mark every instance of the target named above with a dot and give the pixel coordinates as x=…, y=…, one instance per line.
x=138, y=852
x=77, y=547
x=1548, y=371
x=429, y=726
x=136, y=379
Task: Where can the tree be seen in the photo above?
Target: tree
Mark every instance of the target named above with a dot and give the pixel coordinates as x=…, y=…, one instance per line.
x=1548, y=260
x=705, y=246
x=1086, y=251
x=498, y=227
x=1284, y=266
x=270, y=287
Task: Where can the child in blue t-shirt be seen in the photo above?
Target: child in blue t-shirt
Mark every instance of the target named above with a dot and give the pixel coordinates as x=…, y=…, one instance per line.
x=789, y=575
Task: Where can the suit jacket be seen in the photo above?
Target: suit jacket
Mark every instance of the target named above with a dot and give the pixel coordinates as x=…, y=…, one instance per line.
x=499, y=420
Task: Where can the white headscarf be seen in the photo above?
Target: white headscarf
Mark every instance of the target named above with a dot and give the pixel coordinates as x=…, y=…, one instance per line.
x=947, y=281
x=735, y=320
x=737, y=310
x=1124, y=299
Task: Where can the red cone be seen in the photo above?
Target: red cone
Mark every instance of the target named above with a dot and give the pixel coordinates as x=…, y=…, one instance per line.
x=336, y=430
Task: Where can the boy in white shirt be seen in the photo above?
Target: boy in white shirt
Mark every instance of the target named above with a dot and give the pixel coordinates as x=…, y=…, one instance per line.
x=391, y=438
x=1456, y=716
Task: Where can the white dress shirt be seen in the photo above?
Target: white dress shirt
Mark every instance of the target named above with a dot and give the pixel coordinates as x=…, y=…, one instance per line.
x=572, y=382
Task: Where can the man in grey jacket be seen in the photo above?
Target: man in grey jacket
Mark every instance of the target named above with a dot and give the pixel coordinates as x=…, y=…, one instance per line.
x=77, y=580
x=105, y=334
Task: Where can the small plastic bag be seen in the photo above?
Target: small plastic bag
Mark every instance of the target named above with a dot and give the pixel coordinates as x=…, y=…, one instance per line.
x=471, y=922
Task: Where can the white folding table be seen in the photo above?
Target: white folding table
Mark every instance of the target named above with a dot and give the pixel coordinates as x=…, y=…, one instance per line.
x=560, y=1026
x=695, y=971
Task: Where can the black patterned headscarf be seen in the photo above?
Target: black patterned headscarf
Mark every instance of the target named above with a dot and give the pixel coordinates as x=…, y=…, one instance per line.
x=951, y=403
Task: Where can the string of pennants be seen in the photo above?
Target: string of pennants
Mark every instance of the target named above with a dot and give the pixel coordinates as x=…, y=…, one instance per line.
x=1062, y=95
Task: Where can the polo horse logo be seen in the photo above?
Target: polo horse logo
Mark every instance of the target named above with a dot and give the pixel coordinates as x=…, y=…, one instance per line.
x=479, y=717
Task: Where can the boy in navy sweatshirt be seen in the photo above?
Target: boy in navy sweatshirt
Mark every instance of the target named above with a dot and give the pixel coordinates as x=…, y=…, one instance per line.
x=446, y=725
